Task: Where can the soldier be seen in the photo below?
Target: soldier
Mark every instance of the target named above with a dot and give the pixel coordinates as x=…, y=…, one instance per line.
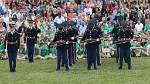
x=61, y=39
x=30, y=40
x=124, y=35
x=91, y=37
x=98, y=43
x=72, y=32
x=115, y=32
x=12, y=44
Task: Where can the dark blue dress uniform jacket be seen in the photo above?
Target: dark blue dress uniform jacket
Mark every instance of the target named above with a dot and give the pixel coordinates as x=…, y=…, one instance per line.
x=15, y=39
x=61, y=36
x=93, y=34
x=31, y=36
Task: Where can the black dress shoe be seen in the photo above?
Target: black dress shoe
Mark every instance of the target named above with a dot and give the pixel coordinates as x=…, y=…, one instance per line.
x=62, y=65
x=120, y=68
x=11, y=70
x=30, y=61
x=14, y=70
x=70, y=64
x=67, y=69
x=99, y=64
x=95, y=68
x=88, y=68
x=129, y=68
x=57, y=69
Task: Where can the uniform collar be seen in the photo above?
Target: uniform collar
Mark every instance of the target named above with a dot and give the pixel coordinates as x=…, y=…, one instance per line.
x=12, y=32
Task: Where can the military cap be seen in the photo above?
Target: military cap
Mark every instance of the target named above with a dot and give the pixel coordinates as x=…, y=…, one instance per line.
x=30, y=21
x=90, y=26
x=12, y=24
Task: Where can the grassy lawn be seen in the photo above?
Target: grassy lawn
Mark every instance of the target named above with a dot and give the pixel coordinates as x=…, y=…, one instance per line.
x=43, y=72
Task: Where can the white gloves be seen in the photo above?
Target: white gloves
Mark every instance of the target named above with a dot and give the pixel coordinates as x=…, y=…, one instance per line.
x=78, y=41
x=97, y=39
x=111, y=42
x=110, y=39
x=67, y=42
x=5, y=50
x=48, y=43
x=72, y=38
x=25, y=45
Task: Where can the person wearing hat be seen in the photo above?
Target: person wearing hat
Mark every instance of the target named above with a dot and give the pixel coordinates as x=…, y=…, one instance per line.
x=30, y=40
x=115, y=32
x=91, y=37
x=123, y=35
x=98, y=44
x=11, y=46
x=61, y=39
x=70, y=34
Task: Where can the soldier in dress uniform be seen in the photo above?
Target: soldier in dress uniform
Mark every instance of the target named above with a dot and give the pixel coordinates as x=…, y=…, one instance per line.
x=30, y=40
x=98, y=43
x=12, y=44
x=91, y=37
x=116, y=31
x=124, y=36
x=75, y=34
x=70, y=34
x=61, y=39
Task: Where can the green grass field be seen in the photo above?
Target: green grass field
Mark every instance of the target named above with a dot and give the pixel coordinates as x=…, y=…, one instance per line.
x=43, y=72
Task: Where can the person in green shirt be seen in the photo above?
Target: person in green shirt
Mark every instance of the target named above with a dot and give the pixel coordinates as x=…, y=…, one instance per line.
x=147, y=26
x=148, y=49
x=3, y=54
x=52, y=53
x=106, y=52
x=1, y=50
x=113, y=49
x=136, y=48
x=37, y=50
x=80, y=50
x=144, y=51
x=109, y=28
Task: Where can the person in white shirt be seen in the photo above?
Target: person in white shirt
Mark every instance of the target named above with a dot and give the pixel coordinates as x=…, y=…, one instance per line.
x=59, y=19
x=88, y=10
x=6, y=18
x=18, y=23
x=82, y=28
x=139, y=27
